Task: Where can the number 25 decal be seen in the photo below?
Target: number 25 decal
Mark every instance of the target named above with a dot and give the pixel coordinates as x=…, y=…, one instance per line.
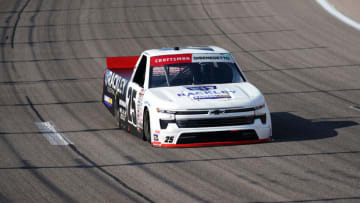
x=169, y=139
x=131, y=106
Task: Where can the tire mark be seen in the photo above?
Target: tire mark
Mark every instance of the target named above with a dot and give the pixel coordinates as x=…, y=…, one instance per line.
x=151, y=37
x=49, y=81
x=45, y=181
x=132, y=7
x=168, y=162
x=305, y=68
x=55, y=103
x=341, y=199
x=115, y=148
x=35, y=110
x=140, y=21
x=227, y=35
x=51, y=59
x=105, y=172
x=74, y=149
x=16, y=22
x=4, y=57
x=34, y=56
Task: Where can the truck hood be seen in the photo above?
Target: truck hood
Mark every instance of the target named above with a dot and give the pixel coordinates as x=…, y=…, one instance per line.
x=232, y=95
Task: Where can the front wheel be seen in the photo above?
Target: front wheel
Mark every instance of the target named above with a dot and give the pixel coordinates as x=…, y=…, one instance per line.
x=147, y=132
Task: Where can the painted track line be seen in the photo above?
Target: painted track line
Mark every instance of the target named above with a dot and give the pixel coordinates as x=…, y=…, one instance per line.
x=332, y=10
x=48, y=129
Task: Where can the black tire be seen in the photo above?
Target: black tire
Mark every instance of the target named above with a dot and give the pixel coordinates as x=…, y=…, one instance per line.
x=146, y=127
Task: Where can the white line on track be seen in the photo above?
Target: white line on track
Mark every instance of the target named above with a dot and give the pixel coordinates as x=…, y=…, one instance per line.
x=48, y=129
x=355, y=107
x=331, y=9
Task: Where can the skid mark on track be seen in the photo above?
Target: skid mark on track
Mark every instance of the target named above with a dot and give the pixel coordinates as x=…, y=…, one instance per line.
x=49, y=81
x=314, y=91
x=64, y=196
x=51, y=59
x=54, y=103
x=133, y=6
x=148, y=37
x=55, y=138
x=113, y=177
x=137, y=163
x=340, y=199
x=257, y=69
x=16, y=22
x=138, y=21
x=253, y=54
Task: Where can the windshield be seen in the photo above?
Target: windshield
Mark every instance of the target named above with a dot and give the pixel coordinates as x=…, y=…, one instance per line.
x=194, y=74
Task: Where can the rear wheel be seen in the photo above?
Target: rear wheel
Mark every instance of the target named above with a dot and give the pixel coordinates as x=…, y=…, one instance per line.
x=147, y=134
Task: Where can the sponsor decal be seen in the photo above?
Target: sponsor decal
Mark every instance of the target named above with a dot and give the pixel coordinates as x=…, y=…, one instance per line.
x=115, y=82
x=156, y=137
x=110, y=90
x=210, y=93
x=147, y=103
x=156, y=144
x=170, y=59
x=206, y=92
x=201, y=88
x=190, y=58
x=224, y=96
x=108, y=101
x=122, y=103
x=199, y=58
x=123, y=115
x=139, y=104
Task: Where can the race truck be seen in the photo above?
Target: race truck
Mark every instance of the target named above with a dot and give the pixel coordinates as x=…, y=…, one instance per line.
x=185, y=97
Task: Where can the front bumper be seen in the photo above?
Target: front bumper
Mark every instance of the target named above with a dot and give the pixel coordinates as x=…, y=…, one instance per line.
x=213, y=136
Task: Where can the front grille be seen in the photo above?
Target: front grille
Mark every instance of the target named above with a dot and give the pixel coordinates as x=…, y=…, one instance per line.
x=223, y=136
x=215, y=122
x=207, y=111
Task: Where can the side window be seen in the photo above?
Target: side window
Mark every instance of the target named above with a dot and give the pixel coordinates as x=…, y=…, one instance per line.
x=139, y=77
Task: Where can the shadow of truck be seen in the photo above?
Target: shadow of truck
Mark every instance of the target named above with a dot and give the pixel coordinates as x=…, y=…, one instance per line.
x=289, y=127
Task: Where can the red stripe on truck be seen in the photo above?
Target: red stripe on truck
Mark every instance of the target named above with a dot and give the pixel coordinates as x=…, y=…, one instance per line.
x=210, y=144
x=170, y=59
x=121, y=62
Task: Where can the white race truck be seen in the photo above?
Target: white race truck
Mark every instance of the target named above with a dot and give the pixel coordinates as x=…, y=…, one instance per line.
x=185, y=97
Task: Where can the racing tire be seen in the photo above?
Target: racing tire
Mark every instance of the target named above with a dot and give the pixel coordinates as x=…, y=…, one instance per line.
x=146, y=127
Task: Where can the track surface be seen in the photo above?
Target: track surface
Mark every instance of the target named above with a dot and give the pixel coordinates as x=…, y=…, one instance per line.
x=52, y=60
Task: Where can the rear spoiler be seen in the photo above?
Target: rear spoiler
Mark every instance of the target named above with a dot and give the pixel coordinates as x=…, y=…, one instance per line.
x=123, y=65
x=121, y=62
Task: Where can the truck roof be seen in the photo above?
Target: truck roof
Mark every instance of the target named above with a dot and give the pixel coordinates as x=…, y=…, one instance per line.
x=185, y=50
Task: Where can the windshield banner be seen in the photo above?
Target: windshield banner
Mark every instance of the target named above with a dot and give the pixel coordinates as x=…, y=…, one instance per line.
x=200, y=58
x=190, y=58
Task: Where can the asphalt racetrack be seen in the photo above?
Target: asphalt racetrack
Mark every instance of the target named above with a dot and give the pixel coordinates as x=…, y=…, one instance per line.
x=52, y=58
